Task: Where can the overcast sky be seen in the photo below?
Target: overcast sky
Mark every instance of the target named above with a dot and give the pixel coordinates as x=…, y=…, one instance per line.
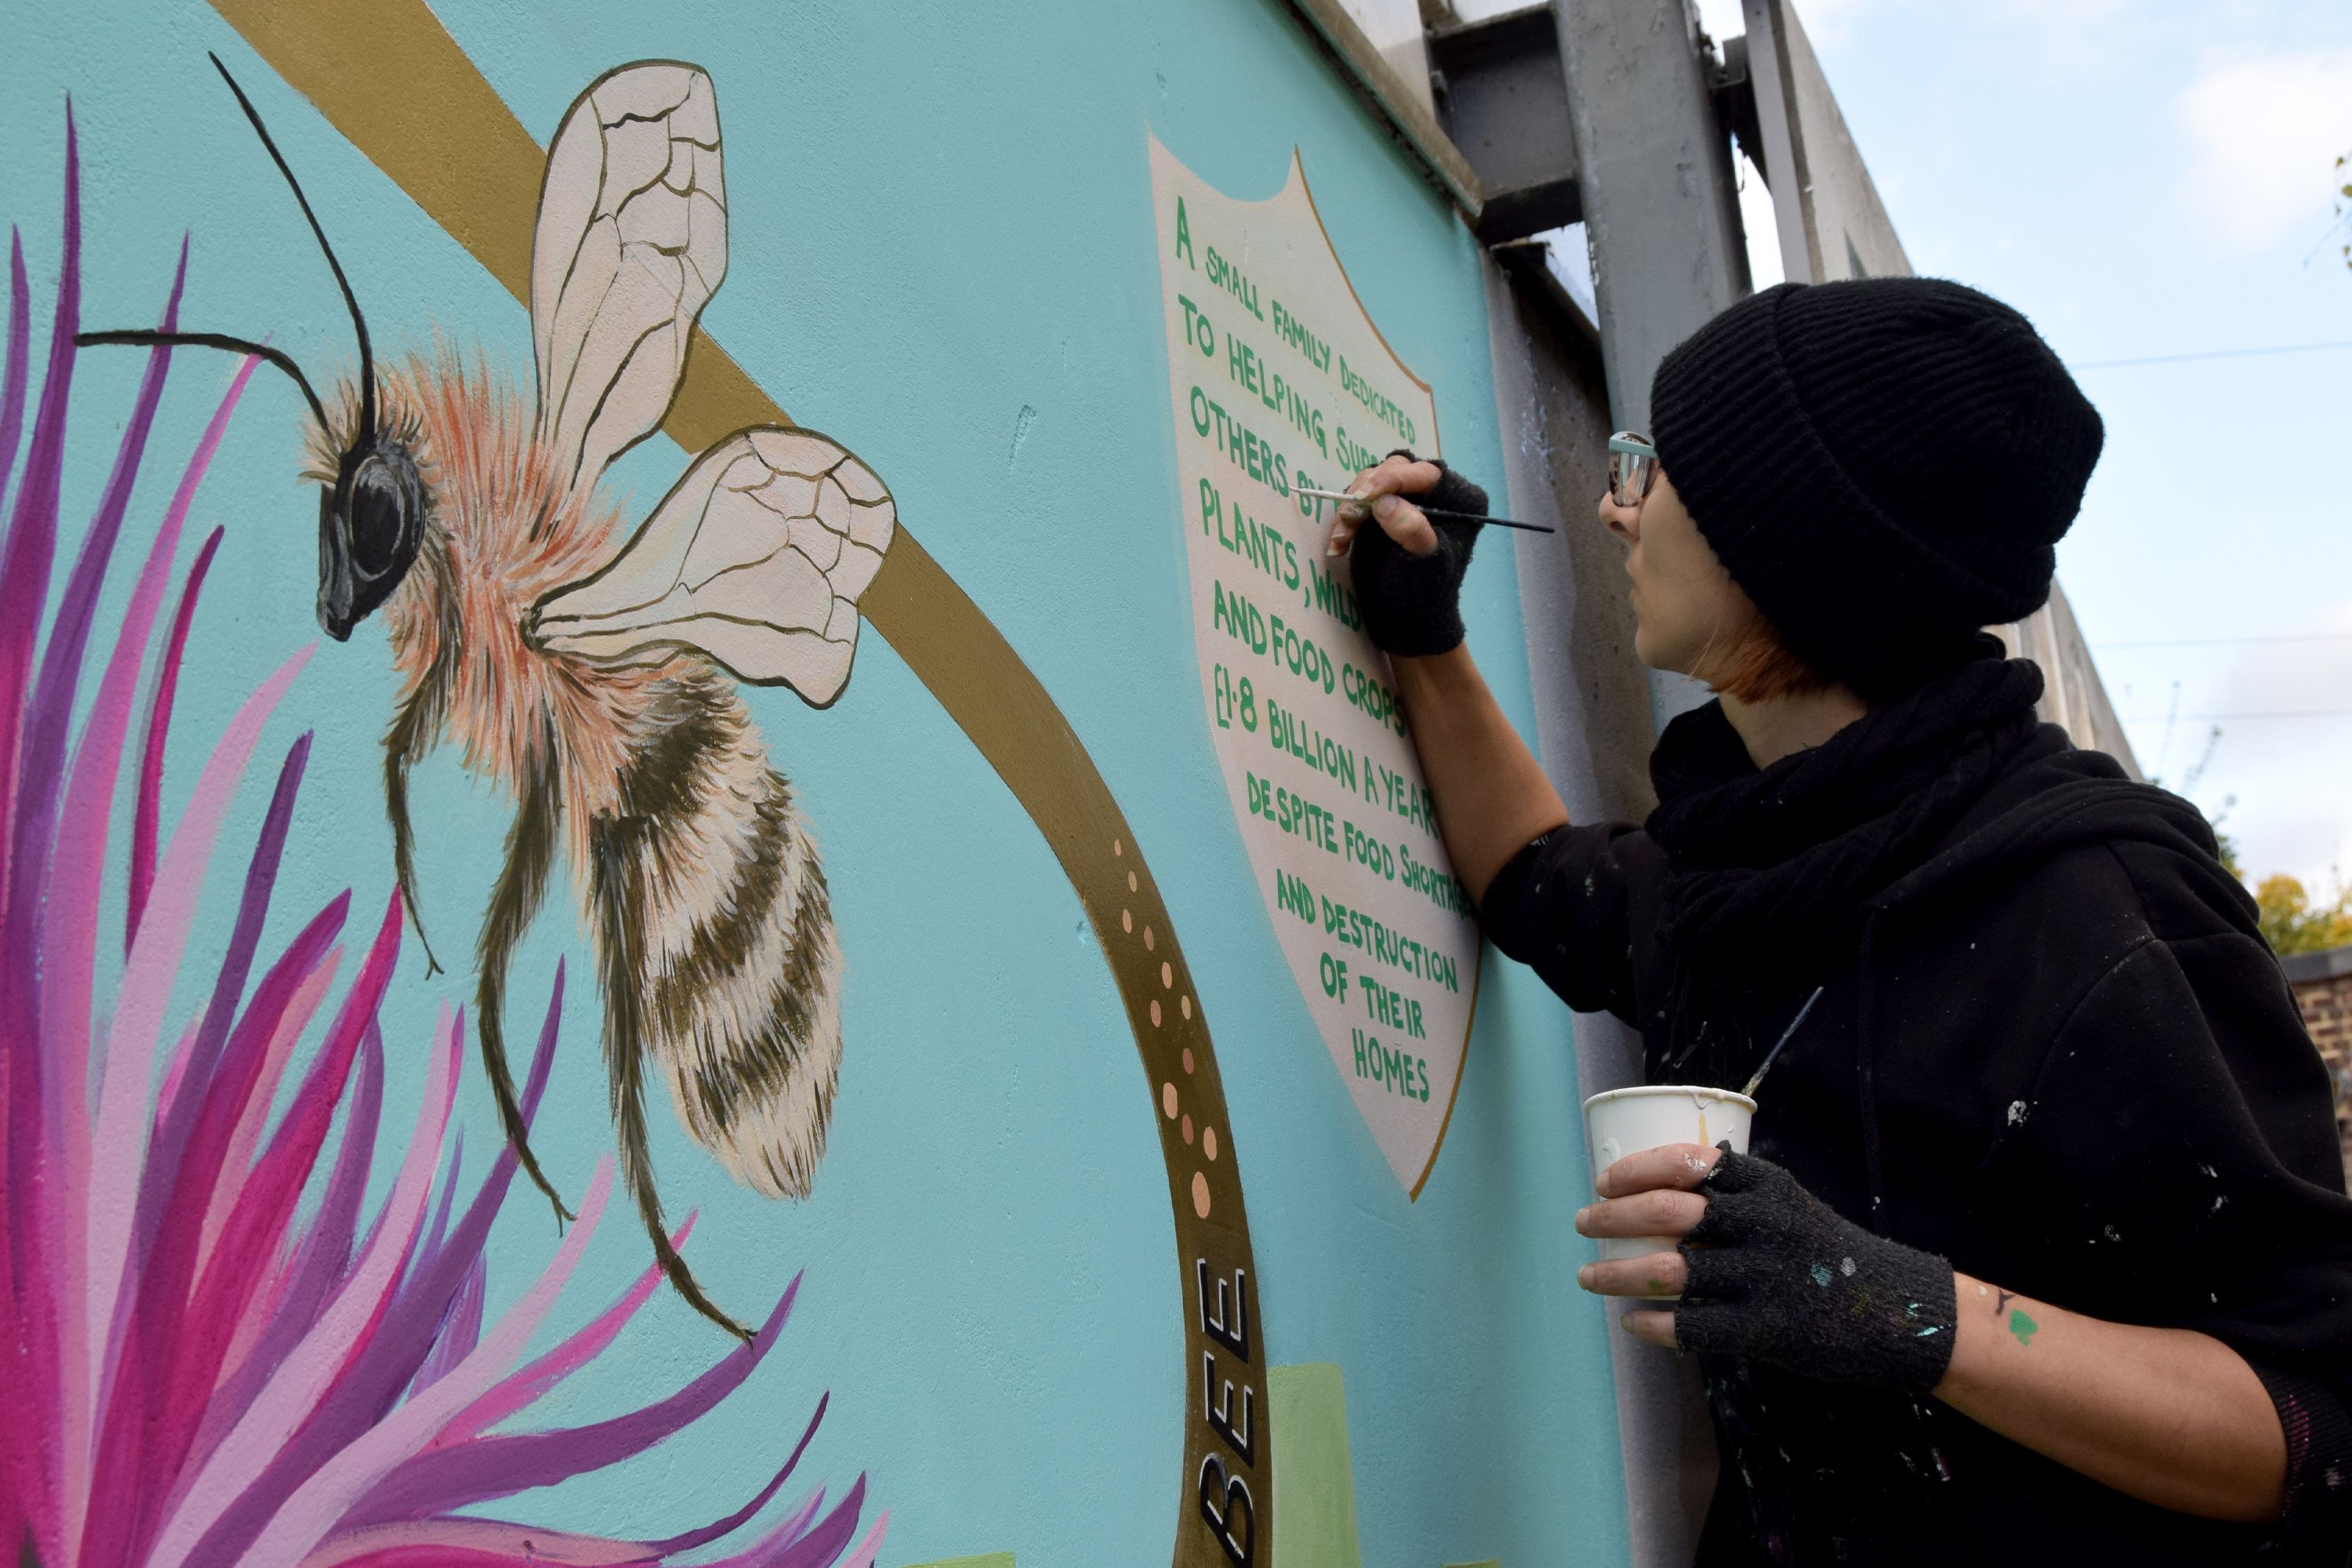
x=2144, y=178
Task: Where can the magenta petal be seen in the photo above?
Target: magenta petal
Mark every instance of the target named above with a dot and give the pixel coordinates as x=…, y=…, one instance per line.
x=68, y=941
x=396, y=1346
x=317, y=1264
x=533, y=1382
x=48, y=721
x=164, y=1375
x=38, y=768
x=147, y=815
x=161, y=1179
x=32, y=542
x=373, y=1383
x=260, y=1222
x=29, y=1478
x=438, y=1231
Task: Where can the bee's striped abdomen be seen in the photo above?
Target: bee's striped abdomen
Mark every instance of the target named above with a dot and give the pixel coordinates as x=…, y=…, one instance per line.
x=738, y=970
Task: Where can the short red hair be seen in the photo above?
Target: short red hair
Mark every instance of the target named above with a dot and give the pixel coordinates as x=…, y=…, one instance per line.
x=1750, y=661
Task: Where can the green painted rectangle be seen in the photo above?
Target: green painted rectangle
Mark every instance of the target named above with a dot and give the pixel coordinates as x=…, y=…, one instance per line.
x=1315, y=1505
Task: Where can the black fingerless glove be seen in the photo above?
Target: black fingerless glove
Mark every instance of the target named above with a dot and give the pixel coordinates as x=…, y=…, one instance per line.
x=1776, y=1274
x=1412, y=604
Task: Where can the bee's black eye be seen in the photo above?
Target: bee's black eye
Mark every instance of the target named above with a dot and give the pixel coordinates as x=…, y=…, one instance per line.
x=379, y=505
x=370, y=525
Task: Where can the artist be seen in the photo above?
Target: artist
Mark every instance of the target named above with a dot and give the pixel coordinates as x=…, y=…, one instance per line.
x=2042, y=1252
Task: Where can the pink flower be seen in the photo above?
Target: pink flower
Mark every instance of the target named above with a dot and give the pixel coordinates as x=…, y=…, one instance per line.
x=195, y=1372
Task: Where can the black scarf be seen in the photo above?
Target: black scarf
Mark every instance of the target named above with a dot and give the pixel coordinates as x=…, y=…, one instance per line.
x=1774, y=870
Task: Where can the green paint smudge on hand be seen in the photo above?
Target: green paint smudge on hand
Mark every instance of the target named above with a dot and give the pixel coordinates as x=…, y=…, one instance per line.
x=2021, y=1326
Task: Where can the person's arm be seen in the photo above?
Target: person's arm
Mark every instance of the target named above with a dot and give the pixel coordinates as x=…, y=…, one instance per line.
x=1491, y=793
x=2168, y=1415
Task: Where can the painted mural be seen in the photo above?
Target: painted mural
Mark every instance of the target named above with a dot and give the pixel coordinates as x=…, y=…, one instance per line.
x=586, y=671
x=311, y=947
x=204, y=1370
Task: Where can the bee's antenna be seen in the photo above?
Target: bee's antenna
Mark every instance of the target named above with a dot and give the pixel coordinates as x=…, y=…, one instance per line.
x=278, y=357
x=359, y=322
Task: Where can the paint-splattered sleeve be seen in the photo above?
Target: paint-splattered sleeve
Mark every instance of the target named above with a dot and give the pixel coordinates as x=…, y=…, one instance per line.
x=1574, y=906
x=2180, y=1149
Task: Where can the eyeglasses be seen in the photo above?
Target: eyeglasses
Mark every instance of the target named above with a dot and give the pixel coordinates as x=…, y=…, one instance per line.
x=1632, y=468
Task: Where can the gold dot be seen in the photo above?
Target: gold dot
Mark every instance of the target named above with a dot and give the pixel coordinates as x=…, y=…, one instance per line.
x=1188, y=1129
x=1188, y=1060
x=1148, y=944
x=1130, y=881
x=1168, y=1100
x=1127, y=921
x=1199, y=1195
x=1116, y=848
x=1209, y=1142
x=1155, y=1013
x=1184, y=1004
x=1166, y=976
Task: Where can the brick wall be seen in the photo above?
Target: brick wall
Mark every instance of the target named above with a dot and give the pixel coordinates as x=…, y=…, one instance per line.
x=2323, y=986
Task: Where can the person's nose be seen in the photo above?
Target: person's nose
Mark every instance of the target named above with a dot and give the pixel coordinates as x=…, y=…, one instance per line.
x=1624, y=522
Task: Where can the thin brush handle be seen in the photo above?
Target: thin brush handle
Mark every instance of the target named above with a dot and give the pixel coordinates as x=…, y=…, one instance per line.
x=1474, y=517
x=1437, y=512
x=1768, y=1057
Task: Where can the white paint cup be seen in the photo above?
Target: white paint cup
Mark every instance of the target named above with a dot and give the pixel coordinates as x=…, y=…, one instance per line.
x=1627, y=1121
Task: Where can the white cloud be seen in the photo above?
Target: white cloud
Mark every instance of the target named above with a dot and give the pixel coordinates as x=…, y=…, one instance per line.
x=2282, y=776
x=2263, y=132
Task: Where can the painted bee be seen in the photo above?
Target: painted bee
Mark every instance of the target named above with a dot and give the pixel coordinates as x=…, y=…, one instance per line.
x=595, y=677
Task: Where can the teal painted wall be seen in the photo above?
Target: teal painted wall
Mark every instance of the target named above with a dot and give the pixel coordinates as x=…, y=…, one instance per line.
x=940, y=219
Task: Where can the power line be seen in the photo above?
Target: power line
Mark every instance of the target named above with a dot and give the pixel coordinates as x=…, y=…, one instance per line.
x=2219, y=642
x=2215, y=353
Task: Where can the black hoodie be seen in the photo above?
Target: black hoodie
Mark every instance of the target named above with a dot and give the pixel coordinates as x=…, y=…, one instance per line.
x=2052, y=1048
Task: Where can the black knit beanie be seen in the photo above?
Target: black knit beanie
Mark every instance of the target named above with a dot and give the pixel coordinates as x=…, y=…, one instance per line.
x=1885, y=465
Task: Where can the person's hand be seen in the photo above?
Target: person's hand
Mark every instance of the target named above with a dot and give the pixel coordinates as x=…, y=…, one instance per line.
x=1649, y=1193
x=1407, y=571
x=1765, y=1269
x=1382, y=489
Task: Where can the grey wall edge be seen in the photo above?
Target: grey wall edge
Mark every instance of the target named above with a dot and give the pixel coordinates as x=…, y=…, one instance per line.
x=1594, y=732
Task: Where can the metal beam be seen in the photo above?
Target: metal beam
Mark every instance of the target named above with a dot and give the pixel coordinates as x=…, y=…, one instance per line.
x=1661, y=204
x=1653, y=169
x=1502, y=99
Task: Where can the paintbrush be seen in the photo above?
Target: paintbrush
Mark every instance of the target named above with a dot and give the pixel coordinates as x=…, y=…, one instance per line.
x=1750, y=1090
x=1433, y=511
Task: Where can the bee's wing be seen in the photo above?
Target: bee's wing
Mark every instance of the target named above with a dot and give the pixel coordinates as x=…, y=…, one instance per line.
x=756, y=558
x=630, y=243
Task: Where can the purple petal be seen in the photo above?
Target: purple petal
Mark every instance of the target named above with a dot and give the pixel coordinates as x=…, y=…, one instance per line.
x=718, y=1528
x=20, y=351
x=817, y=1549
x=460, y=1331
x=441, y=1479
